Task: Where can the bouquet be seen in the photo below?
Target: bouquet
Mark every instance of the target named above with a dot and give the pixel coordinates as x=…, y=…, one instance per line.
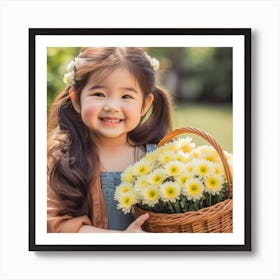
x=175, y=178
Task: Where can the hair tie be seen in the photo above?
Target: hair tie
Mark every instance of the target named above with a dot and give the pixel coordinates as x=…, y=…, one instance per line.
x=71, y=93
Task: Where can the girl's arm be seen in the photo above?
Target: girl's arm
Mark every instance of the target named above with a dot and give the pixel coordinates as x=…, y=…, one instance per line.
x=68, y=224
x=134, y=227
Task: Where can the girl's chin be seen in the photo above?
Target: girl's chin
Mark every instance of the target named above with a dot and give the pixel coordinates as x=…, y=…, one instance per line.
x=110, y=132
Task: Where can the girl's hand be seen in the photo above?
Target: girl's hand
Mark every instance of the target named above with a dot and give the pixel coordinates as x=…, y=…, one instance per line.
x=133, y=227
x=136, y=225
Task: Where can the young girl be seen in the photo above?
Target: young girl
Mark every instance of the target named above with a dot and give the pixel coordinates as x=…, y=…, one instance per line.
x=105, y=120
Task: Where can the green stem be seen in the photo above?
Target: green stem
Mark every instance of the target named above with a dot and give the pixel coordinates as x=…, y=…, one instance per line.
x=170, y=207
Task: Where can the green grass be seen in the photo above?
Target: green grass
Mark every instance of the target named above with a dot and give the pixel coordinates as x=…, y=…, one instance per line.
x=214, y=119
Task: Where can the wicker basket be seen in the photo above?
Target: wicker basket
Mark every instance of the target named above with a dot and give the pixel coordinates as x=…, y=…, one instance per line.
x=215, y=218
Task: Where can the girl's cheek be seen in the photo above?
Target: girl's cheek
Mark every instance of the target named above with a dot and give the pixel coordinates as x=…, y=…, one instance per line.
x=135, y=109
x=89, y=111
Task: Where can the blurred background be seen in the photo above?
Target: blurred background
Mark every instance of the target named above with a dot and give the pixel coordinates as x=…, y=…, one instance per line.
x=199, y=80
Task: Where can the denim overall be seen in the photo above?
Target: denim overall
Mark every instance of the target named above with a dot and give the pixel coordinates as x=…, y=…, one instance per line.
x=117, y=220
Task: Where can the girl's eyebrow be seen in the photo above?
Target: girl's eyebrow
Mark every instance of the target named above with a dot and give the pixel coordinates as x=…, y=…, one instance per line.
x=96, y=87
x=130, y=89
x=123, y=88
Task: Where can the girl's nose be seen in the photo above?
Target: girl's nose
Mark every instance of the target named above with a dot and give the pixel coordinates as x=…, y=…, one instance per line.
x=111, y=106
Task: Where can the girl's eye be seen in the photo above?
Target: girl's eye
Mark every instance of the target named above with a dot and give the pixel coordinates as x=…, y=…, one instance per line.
x=99, y=94
x=127, y=96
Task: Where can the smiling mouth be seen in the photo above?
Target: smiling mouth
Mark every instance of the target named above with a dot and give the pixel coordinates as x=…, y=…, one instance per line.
x=111, y=120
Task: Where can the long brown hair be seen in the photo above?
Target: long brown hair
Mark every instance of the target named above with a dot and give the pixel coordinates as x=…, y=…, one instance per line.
x=73, y=159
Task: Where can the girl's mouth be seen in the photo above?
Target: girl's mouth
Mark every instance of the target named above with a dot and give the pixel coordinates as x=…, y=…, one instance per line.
x=111, y=121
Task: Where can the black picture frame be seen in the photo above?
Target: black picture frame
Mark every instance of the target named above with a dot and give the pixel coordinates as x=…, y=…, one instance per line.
x=242, y=34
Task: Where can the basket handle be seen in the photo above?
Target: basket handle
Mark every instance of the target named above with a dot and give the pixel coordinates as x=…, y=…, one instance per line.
x=209, y=139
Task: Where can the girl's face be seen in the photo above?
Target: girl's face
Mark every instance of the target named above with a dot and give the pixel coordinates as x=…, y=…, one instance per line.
x=113, y=107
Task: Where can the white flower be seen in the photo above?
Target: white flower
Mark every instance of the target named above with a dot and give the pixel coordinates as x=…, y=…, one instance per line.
x=218, y=169
x=204, y=167
x=155, y=64
x=174, y=168
x=153, y=61
x=143, y=167
x=181, y=180
x=228, y=155
x=170, y=191
x=193, y=189
x=170, y=146
x=78, y=61
x=185, y=144
x=190, y=168
x=182, y=157
x=157, y=176
x=150, y=195
x=141, y=182
x=209, y=153
x=122, y=189
x=70, y=66
x=68, y=78
x=214, y=184
x=152, y=156
x=127, y=175
x=166, y=156
x=126, y=201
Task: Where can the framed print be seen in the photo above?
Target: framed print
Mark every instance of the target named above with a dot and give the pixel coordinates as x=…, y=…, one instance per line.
x=125, y=122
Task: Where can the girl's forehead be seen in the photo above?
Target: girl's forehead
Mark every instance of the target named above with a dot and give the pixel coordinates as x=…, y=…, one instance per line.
x=113, y=73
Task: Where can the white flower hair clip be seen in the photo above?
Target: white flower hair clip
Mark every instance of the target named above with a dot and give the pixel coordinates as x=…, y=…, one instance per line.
x=69, y=77
x=153, y=61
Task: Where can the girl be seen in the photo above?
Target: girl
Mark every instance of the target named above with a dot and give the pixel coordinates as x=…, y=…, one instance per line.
x=104, y=121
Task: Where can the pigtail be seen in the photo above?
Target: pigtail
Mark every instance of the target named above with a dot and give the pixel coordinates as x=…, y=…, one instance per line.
x=158, y=122
x=70, y=166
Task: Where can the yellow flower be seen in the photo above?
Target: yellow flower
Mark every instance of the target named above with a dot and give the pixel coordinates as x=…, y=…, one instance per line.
x=214, y=184
x=209, y=153
x=193, y=189
x=143, y=167
x=122, y=189
x=185, y=144
x=152, y=156
x=150, y=195
x=204, y=168
x=229, y=158
x=195, y=153
x=127, y=175
x=170, y=191
x=166, y=156
x=182, y=157
x=181, y=180
x=202, y=148
x=142, y=182
x=170, y=146
x=174, y=168
x=126, y=201
x=228, y=155
x=156, y=177
x=218, y=169
x=190, y=168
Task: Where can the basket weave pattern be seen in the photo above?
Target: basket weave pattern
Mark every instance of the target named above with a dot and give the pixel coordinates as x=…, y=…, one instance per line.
x=216, y=218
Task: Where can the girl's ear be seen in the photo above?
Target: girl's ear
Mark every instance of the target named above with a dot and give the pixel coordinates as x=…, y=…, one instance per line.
x=73, y=98
x=147, y=104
